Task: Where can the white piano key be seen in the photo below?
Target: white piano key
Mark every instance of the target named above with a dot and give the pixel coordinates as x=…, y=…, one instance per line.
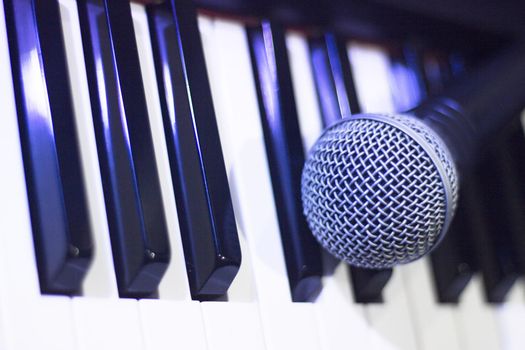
x=511, y=318
x=107, y=324
x=371, y=68
x=18, y=264
x=169, y=324
x=233, y=89
x=175, y=319
x=511, y=314
x=434, y=322
x=308, y=111
x=392, y=319
x=241, y=314
x=290, y=326
x=100, y=280
x=340, y=318
x=27, y=320
x=231, y=325
x=476, y=320
x=404, y=80
x=41, y=323
x=285, y=324
x=99, y=323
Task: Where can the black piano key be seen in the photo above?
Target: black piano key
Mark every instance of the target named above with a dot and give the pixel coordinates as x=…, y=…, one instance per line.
x=130, y=179
x=453, y=260
x=56, y=191
x=413, y=58
x=513, y=172
x=368, y=285
x=503, y=204
x=333, y=78
x=491, y=236
x=337, y=97
x=285, y=157
x=206, y=217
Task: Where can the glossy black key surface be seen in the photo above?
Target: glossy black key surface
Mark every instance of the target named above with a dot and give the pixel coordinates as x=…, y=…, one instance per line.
x=139, y=237
x=333, y=78
x=412, y=55
x=338, y=98
x=56, y=191
x=285, y=157
x=452, y=261
x=494, y=244
x=206, y=217
x=368, y=285
x=513, y=171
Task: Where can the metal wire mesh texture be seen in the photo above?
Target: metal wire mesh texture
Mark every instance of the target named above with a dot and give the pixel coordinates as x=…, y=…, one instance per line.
x=379, y=190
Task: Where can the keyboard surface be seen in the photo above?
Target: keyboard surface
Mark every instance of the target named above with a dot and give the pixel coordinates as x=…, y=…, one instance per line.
x=150, y=194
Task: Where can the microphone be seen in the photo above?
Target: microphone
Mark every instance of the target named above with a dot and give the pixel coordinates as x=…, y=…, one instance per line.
x=381, y=190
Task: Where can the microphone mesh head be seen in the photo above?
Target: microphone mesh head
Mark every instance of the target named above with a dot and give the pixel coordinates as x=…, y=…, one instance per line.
x=379, y=190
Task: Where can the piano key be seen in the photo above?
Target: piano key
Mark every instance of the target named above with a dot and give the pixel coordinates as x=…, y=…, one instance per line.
x=173, y=318
x=237, y=323
x=457, y=64
x=223, y=334
x=371, y=67
x=510, y=315
x=57, y=198
x=476, y=320
x=368, y=284
x=100, y=279
x=168, y=324
x=339, y=317
x=512, y=169
x=493, y=243
x=434, y=323
x=334, y=78
x=473, y=315
x=411, y=59
x=174, y=284
x=25, y=312
x=337, y=97
x=228, y=61
x=452, y=260
x=511, y=151
x=438, y=72
x=217, y=35
x=227, y=55
x=206, y=218
x=125, y=147
x=405, y=78
x=21, y=273
x=106, y=323
x=285, y=157
x=392, y=319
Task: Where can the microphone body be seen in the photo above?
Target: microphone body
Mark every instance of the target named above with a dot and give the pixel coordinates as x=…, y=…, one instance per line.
x=478, y=105
x=381, y=190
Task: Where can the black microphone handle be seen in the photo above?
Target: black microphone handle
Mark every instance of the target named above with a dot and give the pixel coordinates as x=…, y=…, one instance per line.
x=478, y=105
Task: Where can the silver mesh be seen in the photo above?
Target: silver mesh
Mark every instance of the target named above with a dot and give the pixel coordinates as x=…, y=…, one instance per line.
x=378, y=190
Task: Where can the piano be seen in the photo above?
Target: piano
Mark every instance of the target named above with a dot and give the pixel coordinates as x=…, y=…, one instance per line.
x=150, y=188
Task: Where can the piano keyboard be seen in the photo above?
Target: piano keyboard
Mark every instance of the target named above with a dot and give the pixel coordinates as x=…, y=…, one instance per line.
x=150, y=195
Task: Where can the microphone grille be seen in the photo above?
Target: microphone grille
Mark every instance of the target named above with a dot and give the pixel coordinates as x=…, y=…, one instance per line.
x=379, y=190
